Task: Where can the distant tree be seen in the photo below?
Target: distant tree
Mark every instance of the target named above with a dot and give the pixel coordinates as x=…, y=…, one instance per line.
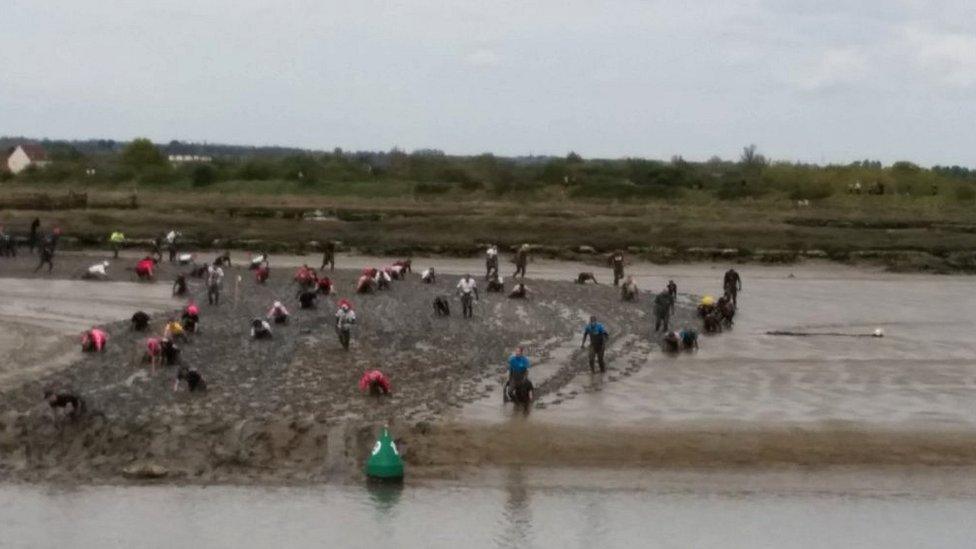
x=141, y=154
x=751, y=158
x=573, y=158
x=203, y=175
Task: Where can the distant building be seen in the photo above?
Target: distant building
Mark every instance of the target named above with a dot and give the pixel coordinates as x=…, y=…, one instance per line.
x=22, y=156
x=183, y=158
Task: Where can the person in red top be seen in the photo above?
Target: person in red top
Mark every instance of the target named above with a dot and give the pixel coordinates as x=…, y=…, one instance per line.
x=154, y=352
x=146, y=268
x=305, y=276
x=93, y=341
x=324, y=286
x=375, y=382
x=262, y=273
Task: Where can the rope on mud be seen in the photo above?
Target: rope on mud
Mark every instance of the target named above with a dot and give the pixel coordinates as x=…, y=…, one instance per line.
x=877, y=333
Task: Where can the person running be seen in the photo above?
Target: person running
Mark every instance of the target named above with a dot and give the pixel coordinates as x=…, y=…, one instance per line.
x=140, y=321
x=521, y=260
x=32, y=239
x=732, y=283
x=598, y=336
x=260, y=329
x=47, y=257
x=215, y=278
x=278, y=313
x=71, y=404
x=190, y=375
x=467, y=288
x=663, y=308
x=429, y=276
x=328, y=255
x=491, y=260
x=116, y=240
x=345, y=319
x=93, y=341
x=179, y=285
x=616, y=262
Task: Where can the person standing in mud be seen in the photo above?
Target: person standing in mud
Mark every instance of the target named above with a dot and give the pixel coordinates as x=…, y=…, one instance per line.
x=345, y=319
x=673, y=292
x=468, y=290
x=598, y=337
x=171, y=237
x=328, y=255
x=616, y=262
x=732, y=285
x=47, y=256
x=215, y=277
x=32, y=239
x=491, y=260
x=521, y=260
x=663, y=309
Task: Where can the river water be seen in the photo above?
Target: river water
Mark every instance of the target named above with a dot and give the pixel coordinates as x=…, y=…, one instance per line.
x=922, y=374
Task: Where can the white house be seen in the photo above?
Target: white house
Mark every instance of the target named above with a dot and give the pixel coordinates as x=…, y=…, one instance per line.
x=22, y=156
x=182, y=158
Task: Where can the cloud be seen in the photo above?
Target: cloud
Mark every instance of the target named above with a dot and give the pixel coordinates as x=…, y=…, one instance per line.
x=949, y=57
x=482, y=58
x=832, y=68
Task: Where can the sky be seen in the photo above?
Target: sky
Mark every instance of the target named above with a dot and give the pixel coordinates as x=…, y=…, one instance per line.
x=809, y=81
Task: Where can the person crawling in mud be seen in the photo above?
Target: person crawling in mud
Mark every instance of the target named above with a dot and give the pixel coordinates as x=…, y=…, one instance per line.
x=365, y=284
x=518, y=387
x=520, y=291
x=222, y=260
x=732, y=284
x=180, y=287
x=598, y=337
x=628, y=291
x=671, y=342
x=429, y=276
x=585, y=277
x=262, y=273
x=689, y=339
x=324, y=286
x=467, y=288
x=279, y=314
x=170, y=352
x=495, y=282
x=404, y=266
x=345, y=320
x=174, y=330
x=616, y=262
x=706, y=306
x=712, y=322
x=382, y=279
x=308, y=299
x=191, y=317
x=260, y=329
x=93, y=341
x=726, y=310
x=146, y=268
x=305, y=277
x=441, y=306
x=65, y=403
x=140, y=321
x=375, y=382
x=154, y=352
x=97, y=271
x=663, y=309
x=258, y=260
x=189, y=375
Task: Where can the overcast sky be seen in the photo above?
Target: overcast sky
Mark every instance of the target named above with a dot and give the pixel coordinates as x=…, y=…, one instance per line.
x=819, y=81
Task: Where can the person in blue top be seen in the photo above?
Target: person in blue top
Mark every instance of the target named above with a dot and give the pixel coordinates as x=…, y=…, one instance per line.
x=598, y=337
x=518, y=376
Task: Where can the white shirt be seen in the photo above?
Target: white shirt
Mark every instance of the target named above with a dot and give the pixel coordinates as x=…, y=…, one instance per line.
x=492, y=251
x=426, y=274
x=215, y=275
x=467, y=285
x=171, y=237
x=97, y=269
x=345, y=318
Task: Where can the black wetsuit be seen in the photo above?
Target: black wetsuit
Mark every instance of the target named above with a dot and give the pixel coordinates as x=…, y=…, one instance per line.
x=663, y=306
x=47, y=256
x=617, y=263
x=194, y=381
x=140, y=320
x=732, y=284
x=33, y=233
x=307, y=299
x=63, y=400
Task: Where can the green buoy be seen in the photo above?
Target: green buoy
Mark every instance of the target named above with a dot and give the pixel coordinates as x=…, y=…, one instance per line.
x=384, y=463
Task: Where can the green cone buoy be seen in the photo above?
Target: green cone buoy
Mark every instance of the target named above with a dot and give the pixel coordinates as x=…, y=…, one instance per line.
x=384, y=463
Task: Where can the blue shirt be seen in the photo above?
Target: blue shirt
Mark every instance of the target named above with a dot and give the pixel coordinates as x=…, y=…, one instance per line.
x=594, y=328
x=518, y=364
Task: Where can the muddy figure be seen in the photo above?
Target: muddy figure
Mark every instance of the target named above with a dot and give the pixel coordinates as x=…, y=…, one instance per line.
x=328, y=255
x=616, y=262
x=170, y=352
x=732, y=284
x=519, y=291
x=402, y=267
x=278, y=313
x=345, y=320
x=491, y=261
x=260, y=329
x=518, y=388
x=191, y=318
x=365, y=285
x=46, y=257
x=308, y=299
x=663, y=309
x=189, y=375
x=467, y=288
x=628, y=291
x=521, y=260
x=180, y=286
x=215, y=278
x=222, y=260
x=583, y=278
x=32, y=238
x=441, y=306
x=375, y=382
x=712, y=322
x=64, y=403
x=598, y=336
x=429, y=276
x=140, y=321
x=726, y=310
x=7, y=246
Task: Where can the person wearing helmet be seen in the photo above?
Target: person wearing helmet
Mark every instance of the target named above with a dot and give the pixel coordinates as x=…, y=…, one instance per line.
x=467, y=288
x=598, y=337
x=174, y=330
x=375, y=383
x=345, y=319
x=116, y=240
x=146, y=268
x=278, y=313
x=154, y=352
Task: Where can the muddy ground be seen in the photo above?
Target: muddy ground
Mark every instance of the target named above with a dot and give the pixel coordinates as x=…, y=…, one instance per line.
x=288, y=409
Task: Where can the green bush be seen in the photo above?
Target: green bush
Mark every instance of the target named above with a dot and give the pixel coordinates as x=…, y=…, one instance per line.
x=736, y=189
x=202, y=175
x=431, y=188
x=158, y=175
x=256, y=169
x=811, y=190
x=965, y=192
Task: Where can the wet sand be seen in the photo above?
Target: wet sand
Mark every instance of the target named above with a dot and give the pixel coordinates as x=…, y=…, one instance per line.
x=288, y=411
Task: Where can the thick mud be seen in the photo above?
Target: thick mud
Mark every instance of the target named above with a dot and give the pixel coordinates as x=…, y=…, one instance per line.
x=288, y=409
